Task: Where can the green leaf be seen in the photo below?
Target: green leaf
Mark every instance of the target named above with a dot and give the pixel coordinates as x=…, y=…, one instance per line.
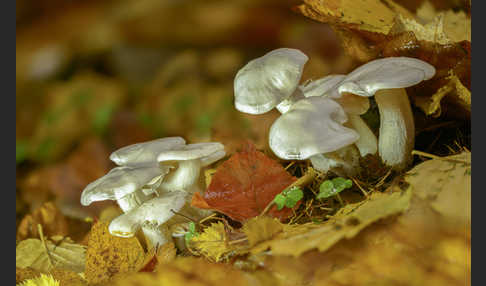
x=294, y=195
x=330, y=188
x=192, y=232
x=20, y=151
x=279, y=200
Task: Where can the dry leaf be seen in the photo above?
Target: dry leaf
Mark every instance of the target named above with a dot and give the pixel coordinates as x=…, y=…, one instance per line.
x=456, y=92
x=446, y=186
x=61, y=253
x=212, y=242
x=49, y=217
x=349, y=221
x=259, y=229
x=244, y=185
x=108, y=255
x=42, y=280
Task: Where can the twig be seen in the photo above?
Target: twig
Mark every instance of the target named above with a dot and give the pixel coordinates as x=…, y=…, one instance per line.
x=184, y=216
x=41, y=235
x=431, y=156
x=359, y=186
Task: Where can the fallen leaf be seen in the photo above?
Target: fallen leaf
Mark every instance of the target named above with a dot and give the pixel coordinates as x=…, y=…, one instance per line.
x=244, y=185
x=108, y=255
x=454, y=90
x=346, y=223
x=61, y=253
x=49, y=217
x=212, y=242
x=42, y=280
x=259, y=229
x=190, y=272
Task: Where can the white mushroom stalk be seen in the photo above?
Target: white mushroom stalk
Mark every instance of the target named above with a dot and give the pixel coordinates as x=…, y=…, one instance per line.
x=141, y=184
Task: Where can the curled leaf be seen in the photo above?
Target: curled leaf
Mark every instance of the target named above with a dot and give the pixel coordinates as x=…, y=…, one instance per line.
x=244, y=185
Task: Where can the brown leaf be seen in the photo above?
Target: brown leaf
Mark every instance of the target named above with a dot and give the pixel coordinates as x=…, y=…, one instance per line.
x=49, y=217
x=245, y=184
x=108, y=255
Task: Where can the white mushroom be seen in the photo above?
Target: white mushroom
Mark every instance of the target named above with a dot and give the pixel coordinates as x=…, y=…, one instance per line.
x=265, y=82
x=141, y=176
x=150, y=216
x=312, y=126
x=145, y=152
x=190, y=159
x=386, y=79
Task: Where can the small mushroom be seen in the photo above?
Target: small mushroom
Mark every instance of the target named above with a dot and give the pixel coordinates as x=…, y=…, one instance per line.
x=386, y=79
x=147, y=171
x=149, y=216
x=311, y=127
x=263, y=83
x=190, y=159
x=145, y=152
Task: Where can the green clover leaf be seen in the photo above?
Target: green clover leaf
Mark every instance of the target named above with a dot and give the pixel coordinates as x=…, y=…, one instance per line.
x=332, y=187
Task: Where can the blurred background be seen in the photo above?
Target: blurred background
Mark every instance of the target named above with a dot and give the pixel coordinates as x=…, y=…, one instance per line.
x=94, y=76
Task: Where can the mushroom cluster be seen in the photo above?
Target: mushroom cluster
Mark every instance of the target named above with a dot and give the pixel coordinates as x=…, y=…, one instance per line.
x=153, y=180
x=321, y=119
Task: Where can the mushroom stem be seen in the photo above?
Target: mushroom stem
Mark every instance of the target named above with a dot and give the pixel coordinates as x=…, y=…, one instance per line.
x=155, y=235
x=397, y=130
x=367, y=142
x=129, y=202
x=185, y=176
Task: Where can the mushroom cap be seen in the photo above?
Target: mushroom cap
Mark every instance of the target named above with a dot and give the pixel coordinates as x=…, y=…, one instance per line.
x=311, y=126
x=153, y=212
x=266, y=81
x=392, y=72
x=121, y=181
x=145, y=152
x=321, y=86
x=207, y=152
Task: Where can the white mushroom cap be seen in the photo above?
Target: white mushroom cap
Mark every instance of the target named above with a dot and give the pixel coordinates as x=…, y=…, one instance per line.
x=146, y=152
x=121, y=181
x=208, y=152
x=151, y=214
x=311, y=126
x=268, y=80
x=321, y=86
x=392, y=72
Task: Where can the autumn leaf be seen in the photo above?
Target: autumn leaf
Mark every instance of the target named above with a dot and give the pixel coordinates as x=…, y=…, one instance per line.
x=192, y=271
x=212, y=242
x=346, y=223
x=373, y=29
x=259, y=229
x=244, y=185
x=49, y=217
x=108, y=255
x=58, y=252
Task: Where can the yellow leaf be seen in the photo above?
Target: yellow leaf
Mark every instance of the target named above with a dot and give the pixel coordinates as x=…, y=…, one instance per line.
x=446, y=185
x=190, y=272
x=349, y=221
x=42, y=280
x=108, y=255
x=61, y=254
x=454, y=89
x=213, y=242
x=259, y=229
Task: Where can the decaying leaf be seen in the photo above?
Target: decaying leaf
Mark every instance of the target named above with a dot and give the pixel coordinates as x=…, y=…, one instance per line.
x=346, y=223
x=446, y=186
x=244, y=185
x=371, y=29
x=190, y=272
x=259, y=229
x=108, y=255
x=49, y=217
x=58, y=252
x=212, y=242
x=455, y=92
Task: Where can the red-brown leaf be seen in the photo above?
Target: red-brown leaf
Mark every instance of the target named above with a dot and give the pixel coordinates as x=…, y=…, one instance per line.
x=244, y=185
